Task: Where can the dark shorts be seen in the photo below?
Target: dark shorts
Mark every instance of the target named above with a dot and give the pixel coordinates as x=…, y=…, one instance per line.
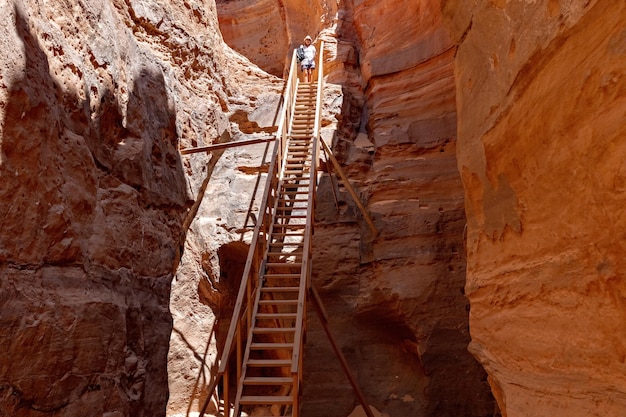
x=307, y=64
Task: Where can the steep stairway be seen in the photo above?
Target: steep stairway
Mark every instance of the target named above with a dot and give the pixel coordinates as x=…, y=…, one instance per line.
x=260, y=370
x=271, y=371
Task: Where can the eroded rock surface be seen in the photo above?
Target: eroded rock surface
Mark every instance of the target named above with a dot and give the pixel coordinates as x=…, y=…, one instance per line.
x=398, y=294
x=96, y=98
x=542, y=100
x=267, y=31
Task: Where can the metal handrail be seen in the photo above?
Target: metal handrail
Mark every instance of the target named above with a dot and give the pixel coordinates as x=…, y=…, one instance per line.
x=241, y=320
x=305, y=277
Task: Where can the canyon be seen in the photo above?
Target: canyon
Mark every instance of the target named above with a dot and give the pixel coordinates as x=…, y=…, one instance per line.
x=484, y=137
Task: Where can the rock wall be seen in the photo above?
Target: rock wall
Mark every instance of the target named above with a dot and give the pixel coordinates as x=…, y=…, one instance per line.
x=391, y=118
x=541, y=100
x=397, y=294
x=96, y=97
x=267, y=31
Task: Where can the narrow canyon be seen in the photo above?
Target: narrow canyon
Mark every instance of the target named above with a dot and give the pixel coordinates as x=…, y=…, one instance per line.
x=485, y=138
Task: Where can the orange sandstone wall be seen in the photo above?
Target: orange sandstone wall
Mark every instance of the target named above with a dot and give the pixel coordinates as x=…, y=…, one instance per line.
x=96, y=97
x=396, y=299
x=541, y=99
x=267, y=31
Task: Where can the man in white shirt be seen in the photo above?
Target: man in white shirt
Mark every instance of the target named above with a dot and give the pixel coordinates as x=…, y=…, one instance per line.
x=308, y=63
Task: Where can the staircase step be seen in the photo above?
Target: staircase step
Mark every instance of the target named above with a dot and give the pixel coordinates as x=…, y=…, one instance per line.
x=288, y=254
x=299, y=206
x=292, y=216
x=269, y=362
x=292, y=190
x=290, y=226
x=282, y=276
x=257, y=399
x=271, y=316
x=296, y=183
x=293, y=200
x=280, y=289
x=273, y=330
x=270, y=346
x=283, y=265
x=277, y=302
x=276, y=380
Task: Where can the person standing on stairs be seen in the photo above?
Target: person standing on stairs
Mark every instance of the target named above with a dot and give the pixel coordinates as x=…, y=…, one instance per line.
x=308, y=63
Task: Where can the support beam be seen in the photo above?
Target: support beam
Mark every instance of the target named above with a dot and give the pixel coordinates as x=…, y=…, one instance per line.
x=220, y=146
x=349, y=187
x=321, y=314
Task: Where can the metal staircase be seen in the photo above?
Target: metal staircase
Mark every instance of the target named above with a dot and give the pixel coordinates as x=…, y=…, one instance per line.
x=271, y=372
x=262, y=355
x=264, y=345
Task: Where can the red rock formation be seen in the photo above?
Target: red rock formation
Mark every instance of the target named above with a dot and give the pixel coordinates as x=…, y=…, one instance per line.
x=398, y=294
x=541, y=102
x=267, y=31
x=95, y=99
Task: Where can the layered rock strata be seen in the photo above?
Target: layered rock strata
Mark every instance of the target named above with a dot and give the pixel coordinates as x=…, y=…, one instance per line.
x=541, y=99
x=392, y=122
x=267, y=31
x=96, y=98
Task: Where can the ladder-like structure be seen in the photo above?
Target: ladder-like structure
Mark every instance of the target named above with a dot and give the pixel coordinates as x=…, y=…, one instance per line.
x=266, y=336
x=272, y=363
x=263, y=351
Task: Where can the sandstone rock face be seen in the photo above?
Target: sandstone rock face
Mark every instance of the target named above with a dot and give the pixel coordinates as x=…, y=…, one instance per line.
x=398, y=294
x=96, y=98
x=97, y=211
x=267, y=31
x=541, y=105
x=391, y=118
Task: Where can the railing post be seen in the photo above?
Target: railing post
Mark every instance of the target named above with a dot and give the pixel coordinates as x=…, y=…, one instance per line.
x=226, y=381
x=242, y=314
x=295, y=408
